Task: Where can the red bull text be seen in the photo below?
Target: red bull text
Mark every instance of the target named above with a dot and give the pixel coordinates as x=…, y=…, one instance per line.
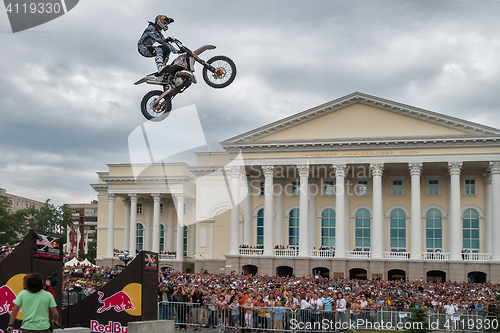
x=111, y=327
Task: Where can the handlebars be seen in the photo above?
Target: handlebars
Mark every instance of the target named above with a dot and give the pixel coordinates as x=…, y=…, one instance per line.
x=181, y=47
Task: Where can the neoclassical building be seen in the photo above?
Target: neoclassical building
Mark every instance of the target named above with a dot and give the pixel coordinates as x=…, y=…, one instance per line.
x=359, y=187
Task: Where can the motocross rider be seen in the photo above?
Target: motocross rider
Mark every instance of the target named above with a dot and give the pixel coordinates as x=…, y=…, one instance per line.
x=153, y=35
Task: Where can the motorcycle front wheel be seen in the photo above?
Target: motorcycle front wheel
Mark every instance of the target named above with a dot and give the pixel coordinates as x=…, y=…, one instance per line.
x=224, y=74
x=154, y=109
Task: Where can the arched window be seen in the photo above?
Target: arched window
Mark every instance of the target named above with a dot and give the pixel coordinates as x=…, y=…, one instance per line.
x=398, y=230
x=433, y=231
x=293, y=228
x=362, y=232
x=471, y=230
x=140, y=237
x=185, y=241
x=260, y=227
x=162, y=237
x=328, y=228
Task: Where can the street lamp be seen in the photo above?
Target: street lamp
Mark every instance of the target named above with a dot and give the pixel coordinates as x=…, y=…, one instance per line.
x=125, y=257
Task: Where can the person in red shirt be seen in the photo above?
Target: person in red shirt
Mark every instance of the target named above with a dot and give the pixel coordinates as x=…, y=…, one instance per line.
x=242, y=298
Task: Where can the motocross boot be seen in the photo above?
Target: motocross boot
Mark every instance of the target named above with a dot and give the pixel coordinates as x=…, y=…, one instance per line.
x=160, y=63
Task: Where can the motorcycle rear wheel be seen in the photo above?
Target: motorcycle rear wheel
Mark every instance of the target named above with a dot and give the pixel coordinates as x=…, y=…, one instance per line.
x=225, y=72
x=153, y=109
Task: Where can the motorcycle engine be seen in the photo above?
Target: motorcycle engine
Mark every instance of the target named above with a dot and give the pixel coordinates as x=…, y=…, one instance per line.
x=178, y=81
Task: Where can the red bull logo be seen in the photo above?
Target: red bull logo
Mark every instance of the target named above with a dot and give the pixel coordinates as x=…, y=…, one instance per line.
x=111, y=327
x=46, y=243
x=120, y=301
x=7, y=297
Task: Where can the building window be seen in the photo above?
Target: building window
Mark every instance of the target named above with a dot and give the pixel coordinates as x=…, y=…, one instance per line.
x=140, y=237
x=10, y=202
x=18, y=204
x=362, y=232
x=362, y=188
x=328, y=188
x=139, y=208
x=328, y=228
x=470, y=187
x=161, y=208
x=433, y=187
x=398, y=230
x=162, y=237
x=185, y=241
x=471, y=230
x=433, y=231
x=260, y=227
x=25, y=205
x=262, y=188
x=293, y=228
x=295, y=188
x=397, y=188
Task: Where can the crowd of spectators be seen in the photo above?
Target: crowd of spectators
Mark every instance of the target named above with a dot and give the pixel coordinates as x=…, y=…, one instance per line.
x=283, y=247
x=86, y=279
x=233, y=292
x=6, y=249
x=260, y=247
x=173, y=253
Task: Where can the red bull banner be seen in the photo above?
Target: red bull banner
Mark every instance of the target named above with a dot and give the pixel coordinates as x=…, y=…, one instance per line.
x=151, y=261
x=47, y=245
x=130, y=296
x=37, y=252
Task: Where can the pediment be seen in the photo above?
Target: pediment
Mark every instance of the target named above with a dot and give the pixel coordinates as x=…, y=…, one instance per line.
x=363, y=117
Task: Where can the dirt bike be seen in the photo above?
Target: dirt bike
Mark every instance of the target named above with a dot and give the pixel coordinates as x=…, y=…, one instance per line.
x=218, y=72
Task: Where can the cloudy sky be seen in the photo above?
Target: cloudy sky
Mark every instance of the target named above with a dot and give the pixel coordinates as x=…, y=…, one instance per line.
x=68, y=103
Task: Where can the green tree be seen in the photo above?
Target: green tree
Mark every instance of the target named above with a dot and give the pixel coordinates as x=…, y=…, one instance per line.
x=419, y=319
x=66, y=215
x=92, y=249
x=8, y=230
x=49, y=217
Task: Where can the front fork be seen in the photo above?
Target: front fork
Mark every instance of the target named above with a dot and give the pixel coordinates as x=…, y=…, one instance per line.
x=166, y=93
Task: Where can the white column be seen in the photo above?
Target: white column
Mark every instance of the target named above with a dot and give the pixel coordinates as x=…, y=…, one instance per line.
x=192, y=229
x=416, y=234
x=156, y=223
x=455, y=242
x=111, y=226
x=133, y=223
x=234, y=172
x=377, y=229
x=347, y=219
x=313, y=228
x=126, y=226
x=170, y=226
x=149, y=226
x=280, y=223
x=247, y=211
x=340, y=199
x=488, y=212
x=495, y=183
x=268, y=209
x=179, y=243
x=303, y=212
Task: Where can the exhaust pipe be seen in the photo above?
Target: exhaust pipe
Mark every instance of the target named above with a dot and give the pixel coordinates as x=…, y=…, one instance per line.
x=187, y=74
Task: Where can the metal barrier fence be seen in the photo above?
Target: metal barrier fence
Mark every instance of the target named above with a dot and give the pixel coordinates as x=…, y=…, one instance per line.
x=264, y=319
x=70, y=298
